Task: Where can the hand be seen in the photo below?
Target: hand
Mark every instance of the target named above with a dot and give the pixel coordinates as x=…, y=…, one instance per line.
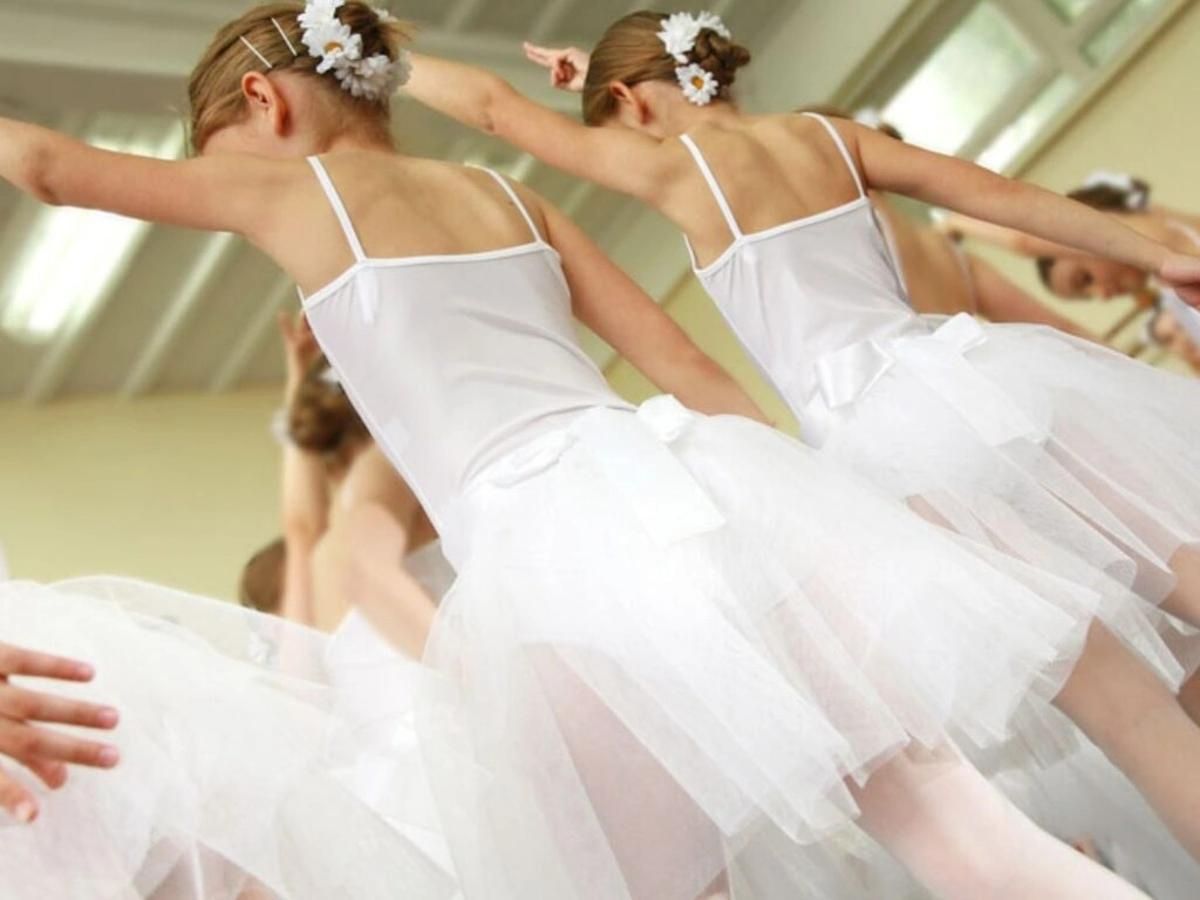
x=300, y=347
x=1182, y=273
x=568, y=67
x=43, y=751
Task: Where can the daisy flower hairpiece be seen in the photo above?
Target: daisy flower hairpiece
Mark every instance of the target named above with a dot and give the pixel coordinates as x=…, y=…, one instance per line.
x=1136, y=196
x=340, y=51
x=679, y=35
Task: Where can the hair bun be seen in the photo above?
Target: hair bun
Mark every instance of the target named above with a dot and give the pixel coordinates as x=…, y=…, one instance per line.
x=720, y=56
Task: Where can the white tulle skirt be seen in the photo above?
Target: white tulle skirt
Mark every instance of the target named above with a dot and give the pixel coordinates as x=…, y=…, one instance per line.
x=248, y=753
x=1063, y=453
x=675, y=640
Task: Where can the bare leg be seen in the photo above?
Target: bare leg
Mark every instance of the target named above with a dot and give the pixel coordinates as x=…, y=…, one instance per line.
x=1184, y=601
x=964, y=841
x=1133, y=717
x=664, y=844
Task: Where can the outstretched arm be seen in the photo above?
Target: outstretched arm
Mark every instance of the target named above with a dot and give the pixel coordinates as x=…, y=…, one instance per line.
x=618, y=159
x=610, y=303
x=956, y=224
x=220, y=193
x=1002, y=301
x=974, y=191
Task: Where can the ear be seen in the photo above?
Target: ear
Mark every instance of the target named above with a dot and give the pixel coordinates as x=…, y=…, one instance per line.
x=627, y=99
x=264, y=99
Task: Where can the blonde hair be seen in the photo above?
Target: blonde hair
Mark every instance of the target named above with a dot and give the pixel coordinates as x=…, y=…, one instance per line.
x=272, y=30
x=631, y=53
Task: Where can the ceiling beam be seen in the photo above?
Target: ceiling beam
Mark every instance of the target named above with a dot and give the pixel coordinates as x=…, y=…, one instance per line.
x=219, y=251
x=241, y=355
x=48, y=378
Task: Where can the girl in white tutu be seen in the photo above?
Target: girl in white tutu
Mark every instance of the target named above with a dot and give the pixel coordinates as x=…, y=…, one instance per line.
x=682, y=652
x=1031, y=443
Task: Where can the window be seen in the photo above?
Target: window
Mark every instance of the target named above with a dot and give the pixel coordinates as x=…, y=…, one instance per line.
x=986, y=79
x=973, y=70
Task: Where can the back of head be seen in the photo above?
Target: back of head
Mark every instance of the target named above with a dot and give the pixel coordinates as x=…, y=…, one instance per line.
x=633, y=51
x=321, y=418
x=1113, y=192
x=352, y=49
x=261, y=587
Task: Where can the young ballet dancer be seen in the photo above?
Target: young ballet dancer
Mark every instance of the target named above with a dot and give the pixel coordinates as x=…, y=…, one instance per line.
x=664, y=667
x=1039, y=446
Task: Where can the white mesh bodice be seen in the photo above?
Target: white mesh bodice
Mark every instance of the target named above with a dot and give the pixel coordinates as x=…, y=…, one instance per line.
x=454, y=360
x=802, y=290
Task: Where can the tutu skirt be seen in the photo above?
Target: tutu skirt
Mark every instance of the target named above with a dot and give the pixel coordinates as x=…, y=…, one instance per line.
x=245, y=765
x=676, y=642
x=1049, y=448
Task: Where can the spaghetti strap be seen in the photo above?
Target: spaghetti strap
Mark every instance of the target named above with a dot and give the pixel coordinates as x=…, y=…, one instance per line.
x=845, y=151
x=515, y=198
x=339, y=208
x=714, y=185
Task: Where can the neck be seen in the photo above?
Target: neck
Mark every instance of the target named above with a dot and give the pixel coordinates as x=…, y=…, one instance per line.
x=683, y=117
x=361, y=139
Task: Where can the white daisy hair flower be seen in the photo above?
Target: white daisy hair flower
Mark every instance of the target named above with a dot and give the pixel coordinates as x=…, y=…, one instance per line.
x=681, y=30
x=713, y=22
x=335, y=45
x=340, y=51
x=699, y=85
x=679, y=33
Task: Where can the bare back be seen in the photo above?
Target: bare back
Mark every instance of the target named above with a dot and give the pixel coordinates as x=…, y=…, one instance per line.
x=772, y=169
x=403, y=207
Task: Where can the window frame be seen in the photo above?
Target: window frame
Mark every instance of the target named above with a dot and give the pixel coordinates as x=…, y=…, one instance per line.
x=1060, y=44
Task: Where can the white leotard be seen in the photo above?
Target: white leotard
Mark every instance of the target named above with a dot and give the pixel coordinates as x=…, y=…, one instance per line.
x=804, y=290
x=453, y=360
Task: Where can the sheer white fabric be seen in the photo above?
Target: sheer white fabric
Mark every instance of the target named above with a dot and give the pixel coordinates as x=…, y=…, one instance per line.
x=240, y=754
x=673, y=638
x=1070, y=456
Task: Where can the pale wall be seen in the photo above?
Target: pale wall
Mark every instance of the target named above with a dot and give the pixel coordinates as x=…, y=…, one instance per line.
x=176, y=490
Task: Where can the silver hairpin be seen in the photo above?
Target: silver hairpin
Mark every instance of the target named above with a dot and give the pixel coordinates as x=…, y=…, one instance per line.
x=283, y=34
x=249, y=46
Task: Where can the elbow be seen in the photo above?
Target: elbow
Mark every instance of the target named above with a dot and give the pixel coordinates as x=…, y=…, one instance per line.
x=36, y=175
x=498, y=95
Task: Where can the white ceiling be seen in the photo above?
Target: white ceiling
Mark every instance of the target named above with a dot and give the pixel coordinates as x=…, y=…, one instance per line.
x=195, y=312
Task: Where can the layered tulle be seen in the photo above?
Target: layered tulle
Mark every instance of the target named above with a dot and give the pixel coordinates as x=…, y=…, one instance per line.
x=675, y=640
x=1068, y=455
x=245, y=760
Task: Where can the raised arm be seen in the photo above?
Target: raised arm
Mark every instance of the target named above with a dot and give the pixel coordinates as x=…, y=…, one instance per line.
x=956, y=225
x=219, y=193
x=304, y=492
x=1002, y=301
x=610, y=303
x=953, y=183
x=618, y=159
